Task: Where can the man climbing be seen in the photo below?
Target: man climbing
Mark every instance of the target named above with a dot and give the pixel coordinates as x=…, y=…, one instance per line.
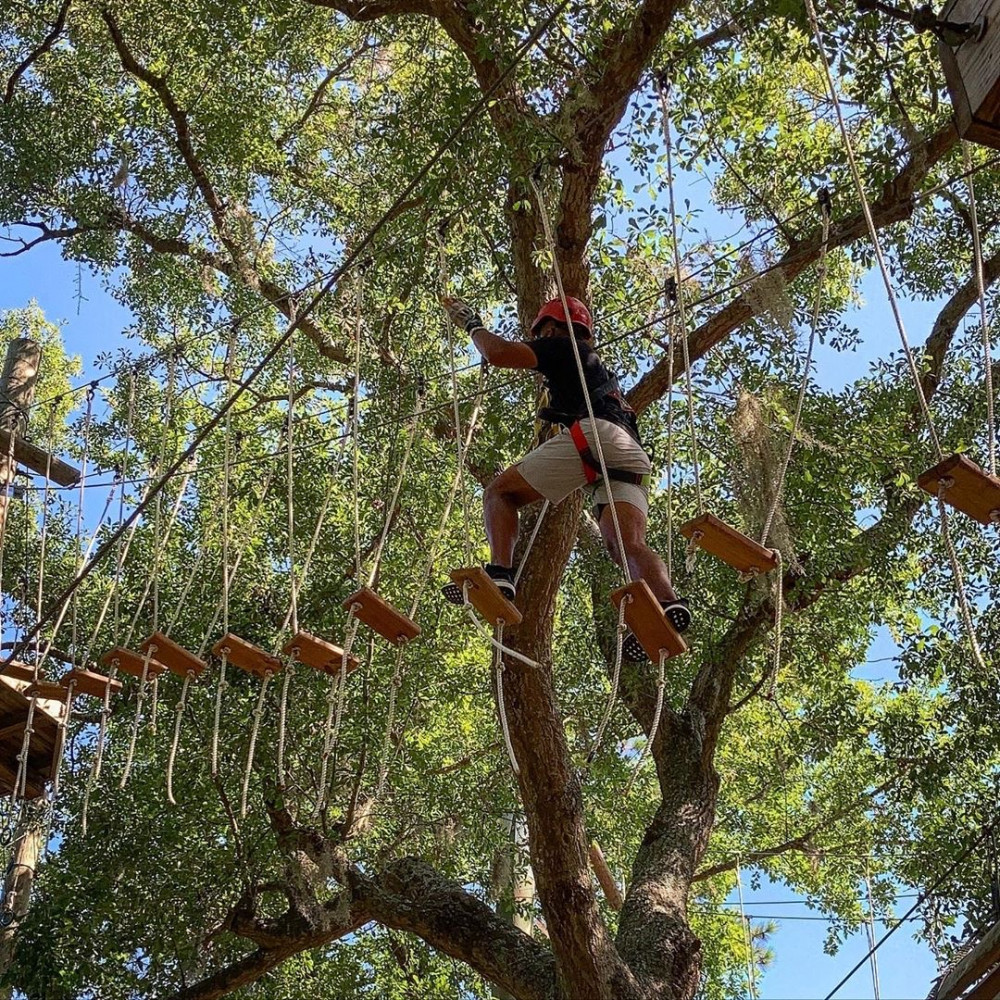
x=568, y=461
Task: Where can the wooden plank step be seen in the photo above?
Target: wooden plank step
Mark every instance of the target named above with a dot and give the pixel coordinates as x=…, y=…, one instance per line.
x=131, y=662
x=91, y=683
x=646, y=619
x=38, y=460
x=47, y=690
x=731, y=546
x=973, y=491
x=485, y=596
x=971, y=967
x=382, y=616
x=318, y=653
x=246, y=656
x=174, y=657
x=22, y=671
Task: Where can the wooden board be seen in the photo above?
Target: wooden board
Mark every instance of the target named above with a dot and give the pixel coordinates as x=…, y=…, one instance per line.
x=972, y=71
x=91, y=683
x=38, y=460
x=971, y=967
x=646, y=619
x=50, y=690
x=131, y=662
x=974, y=492
x=318, y=653
x=382, y=616
x=246, y=656
x=731, y=546
x=485, y=596
x=988, y=989
x=23, y=671
x=47, y=737
x=174, y=657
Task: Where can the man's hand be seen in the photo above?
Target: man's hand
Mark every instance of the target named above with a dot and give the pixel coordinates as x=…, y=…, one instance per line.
x=462, y=315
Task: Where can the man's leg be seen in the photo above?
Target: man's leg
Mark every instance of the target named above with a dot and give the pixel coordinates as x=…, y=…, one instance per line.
x=503, y=498
x=643, y=562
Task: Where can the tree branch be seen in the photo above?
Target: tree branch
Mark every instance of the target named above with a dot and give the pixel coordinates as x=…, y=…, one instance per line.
x=46, y=44
x=45, y=232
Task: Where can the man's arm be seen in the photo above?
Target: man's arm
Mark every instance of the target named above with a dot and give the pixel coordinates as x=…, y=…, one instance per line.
x=497, y=350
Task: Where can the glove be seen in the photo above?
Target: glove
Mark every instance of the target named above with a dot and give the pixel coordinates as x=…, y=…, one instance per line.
x=462, y=315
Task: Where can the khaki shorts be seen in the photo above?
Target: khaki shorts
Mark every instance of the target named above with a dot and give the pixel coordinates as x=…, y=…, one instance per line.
x=555, y=468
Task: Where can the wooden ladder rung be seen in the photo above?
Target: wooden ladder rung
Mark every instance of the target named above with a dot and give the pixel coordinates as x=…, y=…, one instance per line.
x=91, y=683
x=731, y=546
x=646, y=619
x=246, y=656
x=973, y=491
x=131, y=662
x=318, y=653
x=174, y=657
x=47, y=691
x=485, y=596
x=381, y=616
x=22, y=671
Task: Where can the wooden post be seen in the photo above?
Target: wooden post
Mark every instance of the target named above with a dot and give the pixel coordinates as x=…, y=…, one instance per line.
x=17, y=390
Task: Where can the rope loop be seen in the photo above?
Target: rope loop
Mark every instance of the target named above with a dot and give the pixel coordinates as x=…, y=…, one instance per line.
x=499, y=668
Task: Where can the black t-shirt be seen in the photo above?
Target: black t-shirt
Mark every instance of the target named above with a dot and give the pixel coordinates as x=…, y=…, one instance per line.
x=557, y=365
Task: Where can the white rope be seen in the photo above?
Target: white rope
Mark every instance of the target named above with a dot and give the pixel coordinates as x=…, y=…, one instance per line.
x=394, y=686
x=175, y=742
x=293, y=610
x=977, y=248
x=531, y=542
x=669, y=321
x=283, y=713
x=873, y=232
x=487, y=635
x=140, y=696
x=806, y=366
x=550, y=240
x=355, y=433
x=220, y=688
x=956, y=569
x=747, y=940
x=46, y=493
x=21, y=780
x=80, y=557
x=679, y=286
x=501, y=706
x=61, y=742
x=655, y=727
x=335, y=706
x=615, y=676
x=257, y=713
x=124, y=541
x=779, y=617
x=154, y=702
x=102, y=730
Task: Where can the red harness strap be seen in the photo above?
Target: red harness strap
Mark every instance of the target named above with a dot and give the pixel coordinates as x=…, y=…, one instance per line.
x=580, y=440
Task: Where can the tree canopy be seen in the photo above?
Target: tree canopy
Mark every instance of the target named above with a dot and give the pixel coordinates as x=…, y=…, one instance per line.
x=279, y=192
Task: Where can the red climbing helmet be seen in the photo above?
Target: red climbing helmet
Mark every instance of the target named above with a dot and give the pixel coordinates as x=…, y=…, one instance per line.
x=578, y=313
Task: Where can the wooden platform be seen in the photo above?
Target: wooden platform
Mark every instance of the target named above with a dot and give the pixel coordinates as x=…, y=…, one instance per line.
x=318, y=653
x=731, y=546
x=91, y=683
x=174, y=657
x=974, y=491
x=46, y=740
x=485, y=596
x=382, y=616
x=646, y=619
x=131, y=662
x=972, y=967
x=38, y=460
x=246, y=656
x=970, y=69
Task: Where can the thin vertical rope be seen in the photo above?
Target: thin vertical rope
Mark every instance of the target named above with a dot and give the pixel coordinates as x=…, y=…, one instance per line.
x=257, y=713
x=122, y=547
x=158, y=545
x=873, y=232
x=394, y=686
x=293, y=608
x=21, y=780
x=747, y=939
x=663, y=92
x=178, y=716
x=806, y=366
x=226, y=473
x=219, y=689
x=984, y=320
x=551, y=243
x=63, y=727
x=531, y=542
x=779, y=618
x=870, y=927
x=661, y=681
x=140, y=696
x=335, y=706
x=615, y=675
x=669, y=320
x=79, y=516
x=498, y=666
x=102, y=730
x=283, y=713
x=355, y=434
x=44, y=531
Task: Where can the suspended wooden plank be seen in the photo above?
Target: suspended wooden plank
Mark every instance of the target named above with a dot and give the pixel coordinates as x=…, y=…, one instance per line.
x=131, y=662
x=972, y=70
x=731, y=546
x=174, y=657
x=38, y=460
x=47, y=690
x=485, y=596
x=45, y=746
x=607, y=881
x=646, y=619
x=22, y=671
x=91, y=683
x=972, y=966
x=246, y=656
x=381, y=616
x=318, y=653
x=972, y=491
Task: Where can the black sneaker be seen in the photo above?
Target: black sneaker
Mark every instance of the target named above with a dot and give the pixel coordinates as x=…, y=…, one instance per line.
x=679, y=616
x=502, y=576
